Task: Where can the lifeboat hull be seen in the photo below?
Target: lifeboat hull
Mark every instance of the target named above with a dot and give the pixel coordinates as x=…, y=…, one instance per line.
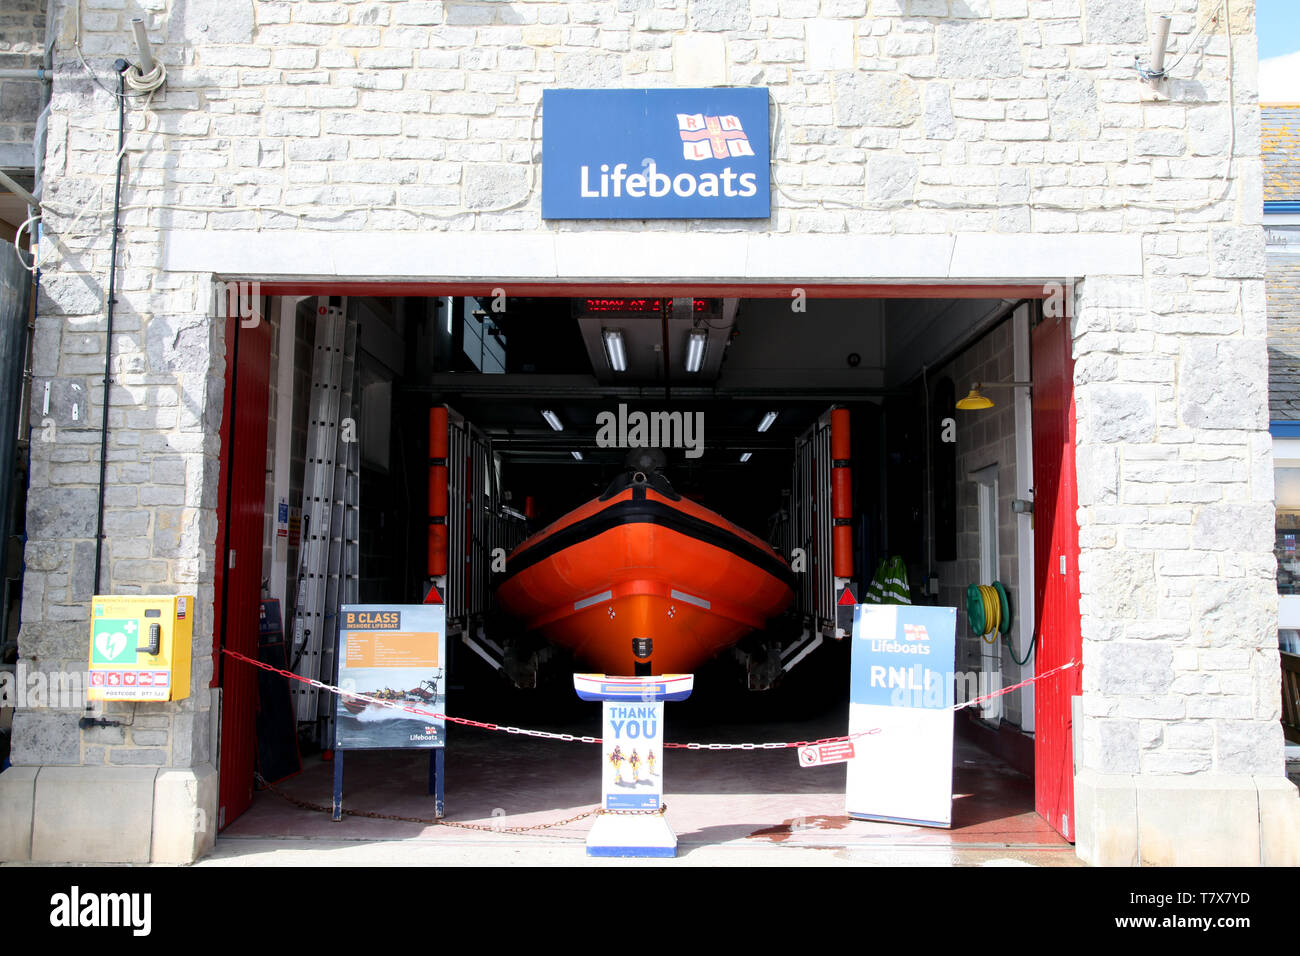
x=641, y=581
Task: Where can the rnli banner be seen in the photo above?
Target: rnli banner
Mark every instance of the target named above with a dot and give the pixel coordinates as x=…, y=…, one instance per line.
x=902, y=682
x=394, y=653
x=633, y=755
x=655, y=154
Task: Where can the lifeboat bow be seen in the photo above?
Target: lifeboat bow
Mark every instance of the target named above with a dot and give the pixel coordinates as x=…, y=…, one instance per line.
x=642, y=581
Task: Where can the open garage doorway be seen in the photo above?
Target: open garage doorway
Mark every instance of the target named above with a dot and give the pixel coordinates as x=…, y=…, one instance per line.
x=529, y=379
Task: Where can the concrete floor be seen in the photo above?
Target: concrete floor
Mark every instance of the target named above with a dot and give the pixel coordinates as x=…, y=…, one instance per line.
x=726, y=807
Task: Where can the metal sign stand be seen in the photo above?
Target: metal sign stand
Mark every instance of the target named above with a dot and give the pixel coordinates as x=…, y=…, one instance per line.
x=437, y=776
x=631, y=763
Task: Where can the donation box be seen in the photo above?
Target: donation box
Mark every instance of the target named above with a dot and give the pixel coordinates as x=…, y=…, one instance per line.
x=140, y=647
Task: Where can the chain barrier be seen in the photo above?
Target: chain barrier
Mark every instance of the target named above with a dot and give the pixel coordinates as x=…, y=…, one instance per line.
x=585, y=739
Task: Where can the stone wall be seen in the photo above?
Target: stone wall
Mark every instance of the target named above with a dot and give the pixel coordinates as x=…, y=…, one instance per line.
x=22, y=47
x=892, y=118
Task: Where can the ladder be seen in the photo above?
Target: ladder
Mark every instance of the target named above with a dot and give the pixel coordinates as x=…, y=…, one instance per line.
x=329, y=550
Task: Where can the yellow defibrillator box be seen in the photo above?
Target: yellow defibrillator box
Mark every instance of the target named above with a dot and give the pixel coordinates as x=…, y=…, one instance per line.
x=140, y=647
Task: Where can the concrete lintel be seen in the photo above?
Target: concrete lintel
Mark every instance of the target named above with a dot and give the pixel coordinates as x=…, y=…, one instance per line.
x=1009, y=255
x=647, y=255
x=851, y=257
x=17, y=810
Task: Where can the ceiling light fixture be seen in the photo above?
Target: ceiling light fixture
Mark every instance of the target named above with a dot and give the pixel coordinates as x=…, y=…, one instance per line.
x=552, y=419
x=767, y=421
x=576, y=454
x=615, y=353
x=746, y=456
x=696, y=340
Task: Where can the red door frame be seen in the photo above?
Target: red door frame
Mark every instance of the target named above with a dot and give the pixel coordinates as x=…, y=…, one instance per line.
x=241, y=504
x=1054, y=778
x=1056, y=571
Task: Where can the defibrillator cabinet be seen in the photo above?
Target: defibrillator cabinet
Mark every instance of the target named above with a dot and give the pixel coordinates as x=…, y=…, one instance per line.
x=140, y=647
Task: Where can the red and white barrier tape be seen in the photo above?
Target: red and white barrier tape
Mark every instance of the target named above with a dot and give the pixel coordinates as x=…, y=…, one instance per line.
x=584, y=739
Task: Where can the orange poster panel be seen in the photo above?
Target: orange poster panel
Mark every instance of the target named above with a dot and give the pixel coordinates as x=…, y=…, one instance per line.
x=392, y=649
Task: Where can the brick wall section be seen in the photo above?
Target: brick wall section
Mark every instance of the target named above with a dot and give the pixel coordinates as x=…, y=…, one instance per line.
x=22, y=46
x=1284, y=338
x=893, y=117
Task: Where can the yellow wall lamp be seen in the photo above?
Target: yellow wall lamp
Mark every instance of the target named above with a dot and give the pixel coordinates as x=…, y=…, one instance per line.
x=977, y=400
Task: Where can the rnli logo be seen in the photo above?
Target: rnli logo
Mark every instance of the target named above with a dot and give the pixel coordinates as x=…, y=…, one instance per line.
x=372, y=620
x=712, y=137
x=915, y=632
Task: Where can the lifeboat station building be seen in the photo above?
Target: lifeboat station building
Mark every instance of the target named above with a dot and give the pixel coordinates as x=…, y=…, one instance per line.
x=332, y=303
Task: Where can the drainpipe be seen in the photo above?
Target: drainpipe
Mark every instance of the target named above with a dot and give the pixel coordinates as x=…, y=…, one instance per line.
x=120, y=66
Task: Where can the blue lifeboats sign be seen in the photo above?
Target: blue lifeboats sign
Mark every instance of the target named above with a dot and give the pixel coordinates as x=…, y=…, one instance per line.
x=902, y=682
x=655, y=154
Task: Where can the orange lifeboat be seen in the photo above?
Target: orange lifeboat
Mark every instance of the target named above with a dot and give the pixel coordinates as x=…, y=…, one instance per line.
x=642, y=581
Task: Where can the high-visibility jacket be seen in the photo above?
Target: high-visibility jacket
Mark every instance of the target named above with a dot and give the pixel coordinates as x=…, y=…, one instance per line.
x=889, y=586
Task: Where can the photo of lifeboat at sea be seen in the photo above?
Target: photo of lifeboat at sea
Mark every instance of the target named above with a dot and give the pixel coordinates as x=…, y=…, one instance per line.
x=383, y=722
x=424, y=697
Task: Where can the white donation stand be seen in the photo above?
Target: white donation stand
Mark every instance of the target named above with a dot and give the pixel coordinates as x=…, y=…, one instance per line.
x=631, y=760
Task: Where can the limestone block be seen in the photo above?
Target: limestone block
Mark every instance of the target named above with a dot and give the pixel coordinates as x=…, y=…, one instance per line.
x=978, y=50
x=1248, y=746
x=1106, y=825
x=1135, y=668
x=1115, y=21
x=490, y=186
x=717, y=15
x=1222, y=384
x=1072, y=106
x=1200, y=820
x=938, y=112
x=93, y=814
x=1279, y=821
x=699, y=61
x=211, y=21
x=1119, y=413
x=17, y=808
x=185, y=814
x=872, y=100
x=1238, y=252
x=46, y=737
x=891, y=177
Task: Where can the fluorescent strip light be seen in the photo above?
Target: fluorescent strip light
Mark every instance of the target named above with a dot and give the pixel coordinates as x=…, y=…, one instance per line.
x=614, y=351
x=552, y=419
x=576, y=454
x=764, y=425
x=746, y=456
x=695, y=342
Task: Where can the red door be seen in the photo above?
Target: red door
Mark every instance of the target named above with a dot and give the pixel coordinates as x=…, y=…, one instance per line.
x=1056, y=572
x=240, y=508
